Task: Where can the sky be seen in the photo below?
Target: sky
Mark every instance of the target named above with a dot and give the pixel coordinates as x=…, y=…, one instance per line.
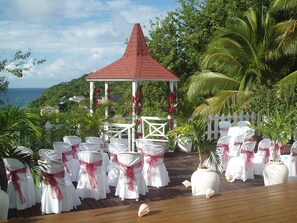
x=75, y=37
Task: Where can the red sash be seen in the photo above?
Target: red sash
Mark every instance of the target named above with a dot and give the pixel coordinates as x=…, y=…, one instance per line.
x=113, y=157
x=266, y=154
x=225, y=152
x=64, y=159
x=249, y=156
x=74, y=149
x=50, y=179
x=15, y=178
x=152, y=161
x=90, y=169
x=130, y=174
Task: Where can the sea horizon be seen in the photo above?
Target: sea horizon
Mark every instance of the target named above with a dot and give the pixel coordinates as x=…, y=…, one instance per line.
x=21, y=96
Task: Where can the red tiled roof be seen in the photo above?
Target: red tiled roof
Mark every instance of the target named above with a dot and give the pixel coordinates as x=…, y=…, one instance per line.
x=136, y=63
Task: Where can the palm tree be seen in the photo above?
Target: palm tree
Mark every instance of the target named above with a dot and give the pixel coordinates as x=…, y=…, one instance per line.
x=235, y=63
x=16, y=123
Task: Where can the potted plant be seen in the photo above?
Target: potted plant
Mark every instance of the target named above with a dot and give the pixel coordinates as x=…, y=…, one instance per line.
x=16, y=125
x=205, y=177
x=278, y=128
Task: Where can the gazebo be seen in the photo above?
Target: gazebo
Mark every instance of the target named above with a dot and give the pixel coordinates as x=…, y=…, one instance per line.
x=136, y=65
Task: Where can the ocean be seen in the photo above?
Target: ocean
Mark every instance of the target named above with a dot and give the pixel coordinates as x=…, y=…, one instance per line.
x=21, y=96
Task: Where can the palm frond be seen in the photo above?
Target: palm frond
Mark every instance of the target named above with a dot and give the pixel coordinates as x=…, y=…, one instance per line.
x=290, y=77
x=284, y=4
x=207, y=82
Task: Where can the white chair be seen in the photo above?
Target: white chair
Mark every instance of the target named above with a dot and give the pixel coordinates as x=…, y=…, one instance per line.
x=113, y=168
x=51, y=154
x=224, y=127
x=74, y=142
x=118, y=140
x=36, y=193
x=262, y=156
x=92, y=181
x=141, y=142
x=131, y=181
x=243, y=123
x=154, y=170
x=291, y=162
x=72, y=165
x=223, y=149
x=241, y=167
x=58, y=195
x=99, y=141
x=19, y=189
x=235, y=146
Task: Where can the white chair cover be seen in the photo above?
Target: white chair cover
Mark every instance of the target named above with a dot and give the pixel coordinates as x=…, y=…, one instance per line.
x=291, y=162
x=58, y=195
x=235, y=146
x=262, y=156
x=131, y=181
x=224, y=127
x=51, y=154
x=141, y=142
x=92, y=181
x=20, y=191
x=241, y=167
x=243, y=123
x=113, y=168
x=74, y=142
x=99, y=141
x=223, y=149
x=154, y=170
x=118, y=140
x=72, y=165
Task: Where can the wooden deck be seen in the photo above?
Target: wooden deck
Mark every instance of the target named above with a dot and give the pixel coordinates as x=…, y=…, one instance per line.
x=180, y=167
x=259, y=204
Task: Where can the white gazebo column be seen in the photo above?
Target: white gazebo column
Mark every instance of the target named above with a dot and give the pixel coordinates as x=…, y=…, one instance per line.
x=134, y=89
x=106, y=98
x=91, y=97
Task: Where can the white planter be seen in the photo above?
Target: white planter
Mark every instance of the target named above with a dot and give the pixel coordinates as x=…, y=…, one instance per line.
x=204, y=179
x=275, y=173
x=184, y=146
x=4, y=203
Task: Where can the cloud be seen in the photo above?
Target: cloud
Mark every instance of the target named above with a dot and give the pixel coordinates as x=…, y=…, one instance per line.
x=76, y=37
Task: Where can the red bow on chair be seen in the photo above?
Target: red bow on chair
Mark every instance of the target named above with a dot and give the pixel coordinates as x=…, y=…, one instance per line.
x=225, y=152
x=113, y=157
x=153, y=161
x=50, y=178
x=267, y=154
x=74, y=149
x=90, y=169
x=130, y=174
x=15, y=178
x=64, y=159
x=249, y=156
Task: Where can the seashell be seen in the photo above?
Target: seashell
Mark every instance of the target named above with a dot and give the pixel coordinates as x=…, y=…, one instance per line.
x=143, y=210
x=230, y=178
x=209, y=193
x=187, y=183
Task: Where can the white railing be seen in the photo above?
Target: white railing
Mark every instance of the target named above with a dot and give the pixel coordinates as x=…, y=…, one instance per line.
x=213, y=122
x=154, y=128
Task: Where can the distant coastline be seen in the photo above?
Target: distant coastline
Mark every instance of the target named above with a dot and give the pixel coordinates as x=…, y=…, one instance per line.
x=21, y=96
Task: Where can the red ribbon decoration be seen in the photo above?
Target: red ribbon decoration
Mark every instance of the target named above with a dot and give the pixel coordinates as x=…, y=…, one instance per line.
x=249, y=156
x=64, y=158
x=74, y=149
x=50, y=179
x=225, y=152
x=266, y=154
x=90, y=169
x=113, y=157
x=15, y=178
x=130, y=174
x=152, y=161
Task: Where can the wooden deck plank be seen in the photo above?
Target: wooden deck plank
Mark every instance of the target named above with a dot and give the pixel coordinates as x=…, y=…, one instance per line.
x=260, y=204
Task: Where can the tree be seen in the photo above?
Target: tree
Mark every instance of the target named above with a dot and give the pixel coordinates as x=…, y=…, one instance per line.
x=236, y=62
x=20, y=63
